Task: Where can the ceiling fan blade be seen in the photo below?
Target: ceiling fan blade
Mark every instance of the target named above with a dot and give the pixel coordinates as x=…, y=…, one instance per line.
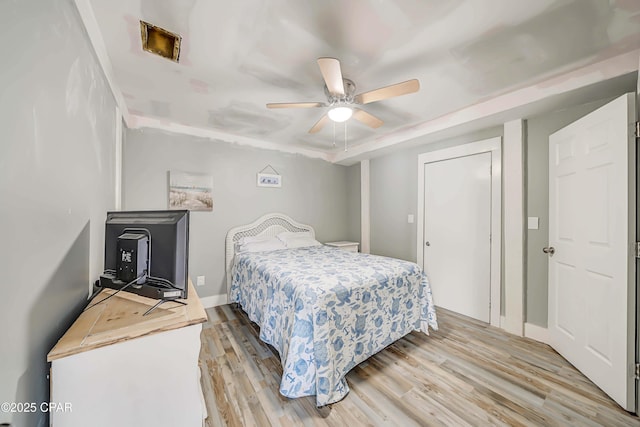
x=319, y=124
x=332, y=74
x=295, y=105
x=410, y=86
x=367, y=118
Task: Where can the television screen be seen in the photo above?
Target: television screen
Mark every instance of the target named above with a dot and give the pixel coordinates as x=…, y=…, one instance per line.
x=161, y=238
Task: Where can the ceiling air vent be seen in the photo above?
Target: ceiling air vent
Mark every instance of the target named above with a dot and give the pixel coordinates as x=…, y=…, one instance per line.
x=160, y=41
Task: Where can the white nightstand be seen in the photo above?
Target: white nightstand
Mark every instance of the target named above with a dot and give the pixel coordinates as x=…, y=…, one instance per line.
x=344, y=245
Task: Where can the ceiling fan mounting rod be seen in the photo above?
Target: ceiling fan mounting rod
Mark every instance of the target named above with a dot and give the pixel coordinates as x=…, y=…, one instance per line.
x=335, y=101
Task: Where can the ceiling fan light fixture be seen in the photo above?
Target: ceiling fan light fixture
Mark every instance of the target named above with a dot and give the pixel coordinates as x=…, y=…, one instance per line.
x=340, y=114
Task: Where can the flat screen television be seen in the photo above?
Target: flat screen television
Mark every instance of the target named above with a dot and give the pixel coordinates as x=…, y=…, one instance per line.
x=148, y=250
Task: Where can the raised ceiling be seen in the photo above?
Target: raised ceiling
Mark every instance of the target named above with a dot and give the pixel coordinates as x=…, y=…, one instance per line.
x=236, y=56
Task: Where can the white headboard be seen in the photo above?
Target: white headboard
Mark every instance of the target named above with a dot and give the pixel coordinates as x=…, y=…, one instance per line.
x=268, y=225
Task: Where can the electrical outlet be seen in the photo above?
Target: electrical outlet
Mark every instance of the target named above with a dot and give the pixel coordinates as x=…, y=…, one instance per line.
x=200, y=281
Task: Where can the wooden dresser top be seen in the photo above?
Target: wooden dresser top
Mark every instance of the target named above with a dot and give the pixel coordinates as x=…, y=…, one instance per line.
x=120, y=319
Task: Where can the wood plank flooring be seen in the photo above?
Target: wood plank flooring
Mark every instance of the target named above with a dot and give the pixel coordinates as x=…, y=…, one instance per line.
x=467, y=373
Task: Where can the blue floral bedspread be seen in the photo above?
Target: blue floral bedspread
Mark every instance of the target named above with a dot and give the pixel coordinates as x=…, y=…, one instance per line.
x=326, y=310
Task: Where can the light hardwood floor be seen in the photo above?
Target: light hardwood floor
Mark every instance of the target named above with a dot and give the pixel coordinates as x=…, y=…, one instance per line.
x=467, y=373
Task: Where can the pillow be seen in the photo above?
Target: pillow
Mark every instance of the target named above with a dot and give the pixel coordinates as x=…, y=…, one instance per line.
x=287, y=235
x=259, y=245
x=301, y=242
x=251, y=239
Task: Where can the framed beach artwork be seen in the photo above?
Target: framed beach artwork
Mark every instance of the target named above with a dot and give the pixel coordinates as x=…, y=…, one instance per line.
x=192, y=191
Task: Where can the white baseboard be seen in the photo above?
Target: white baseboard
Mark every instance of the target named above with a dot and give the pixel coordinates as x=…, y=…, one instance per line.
x=536, y=332
x=214, y=300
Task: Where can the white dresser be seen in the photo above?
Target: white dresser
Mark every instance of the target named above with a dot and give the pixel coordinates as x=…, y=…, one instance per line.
x=118, y=368
x=345, y=245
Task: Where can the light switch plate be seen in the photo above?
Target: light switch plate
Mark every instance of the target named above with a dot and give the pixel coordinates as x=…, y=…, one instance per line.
x=410, y=219
x=200, y=281
x=533, y=223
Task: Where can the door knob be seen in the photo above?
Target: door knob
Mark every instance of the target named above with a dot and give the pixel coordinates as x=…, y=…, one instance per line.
x=427, y=244
x=549, y=250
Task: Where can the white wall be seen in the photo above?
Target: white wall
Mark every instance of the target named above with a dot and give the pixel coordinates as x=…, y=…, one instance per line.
x=513, y=232
x=313, y=192
x=353, y=203
x=57, y=133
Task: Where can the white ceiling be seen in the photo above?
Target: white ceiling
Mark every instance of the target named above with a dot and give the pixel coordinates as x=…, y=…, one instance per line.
x=239, y=55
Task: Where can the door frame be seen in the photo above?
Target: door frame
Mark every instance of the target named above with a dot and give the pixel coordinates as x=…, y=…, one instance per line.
x=493, y=146
x=636, y=206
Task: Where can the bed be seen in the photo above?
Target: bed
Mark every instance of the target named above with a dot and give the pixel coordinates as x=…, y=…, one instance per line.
x=323, y=309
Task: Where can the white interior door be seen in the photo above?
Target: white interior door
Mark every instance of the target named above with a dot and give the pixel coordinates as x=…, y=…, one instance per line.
x=591, y=228
x=457, y=232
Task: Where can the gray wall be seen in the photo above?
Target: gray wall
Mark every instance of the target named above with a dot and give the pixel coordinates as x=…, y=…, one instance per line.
x=57, y=133
x=313, y=192
x=537, y=181
x=394, y=195
x=394, y=189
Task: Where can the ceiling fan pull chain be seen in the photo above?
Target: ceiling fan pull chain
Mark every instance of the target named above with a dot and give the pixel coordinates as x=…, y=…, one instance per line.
x=345, y=136
x=334, y=134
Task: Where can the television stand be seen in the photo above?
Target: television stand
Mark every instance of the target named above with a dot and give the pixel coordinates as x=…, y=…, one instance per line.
x=144, y=368
x=162, y=301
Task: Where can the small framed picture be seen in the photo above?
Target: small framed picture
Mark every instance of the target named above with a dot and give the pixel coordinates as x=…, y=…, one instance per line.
x=269, y=180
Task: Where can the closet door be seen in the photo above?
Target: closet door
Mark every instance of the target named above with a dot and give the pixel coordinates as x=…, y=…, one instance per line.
x=457, y=233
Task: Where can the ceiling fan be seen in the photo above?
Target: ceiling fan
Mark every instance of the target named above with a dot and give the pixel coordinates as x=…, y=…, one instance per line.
x=342, y=100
